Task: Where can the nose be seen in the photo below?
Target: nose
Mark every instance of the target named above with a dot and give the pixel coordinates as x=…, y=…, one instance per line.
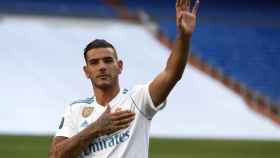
x=102, y=66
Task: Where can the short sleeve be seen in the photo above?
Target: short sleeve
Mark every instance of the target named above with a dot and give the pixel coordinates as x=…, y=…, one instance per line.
x=67, y=126
x=144, y=101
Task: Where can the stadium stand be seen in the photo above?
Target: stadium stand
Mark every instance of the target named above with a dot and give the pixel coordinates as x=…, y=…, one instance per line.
x=247, y=59
x=96, y=8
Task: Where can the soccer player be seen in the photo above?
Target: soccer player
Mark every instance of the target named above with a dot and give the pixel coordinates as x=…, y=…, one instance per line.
x=115, y=122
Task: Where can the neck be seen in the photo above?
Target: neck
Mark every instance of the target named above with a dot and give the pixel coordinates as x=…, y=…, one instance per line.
x=105, y=95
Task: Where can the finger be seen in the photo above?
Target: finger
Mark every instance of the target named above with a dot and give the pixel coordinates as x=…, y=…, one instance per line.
x=116, y=128
x=109, y=130
x=184, y=4
x=120, y=112
x=188, y=5
x=123, y=116
x=120, y=117
x=195, y=8
x=180, y=19
x=177, y=3
x=123, y=121
x=121, y=127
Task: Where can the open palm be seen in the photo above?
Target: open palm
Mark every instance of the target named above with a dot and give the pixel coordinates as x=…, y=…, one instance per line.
x=185, y=16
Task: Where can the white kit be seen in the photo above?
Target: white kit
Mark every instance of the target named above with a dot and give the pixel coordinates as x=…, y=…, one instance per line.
x=126, y=143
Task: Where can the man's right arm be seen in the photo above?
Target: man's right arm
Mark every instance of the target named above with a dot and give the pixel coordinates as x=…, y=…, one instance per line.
x=63, y=147
x=107, y=123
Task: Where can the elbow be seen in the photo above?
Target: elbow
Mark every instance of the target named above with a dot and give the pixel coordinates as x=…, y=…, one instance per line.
x=179, y=74
x=177, y=77
x=174, y=75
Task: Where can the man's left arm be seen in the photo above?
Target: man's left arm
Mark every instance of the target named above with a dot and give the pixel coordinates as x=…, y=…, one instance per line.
x=161, y=86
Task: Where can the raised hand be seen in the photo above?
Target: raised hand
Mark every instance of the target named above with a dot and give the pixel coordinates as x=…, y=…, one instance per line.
x=109, y=122
x=186, y=17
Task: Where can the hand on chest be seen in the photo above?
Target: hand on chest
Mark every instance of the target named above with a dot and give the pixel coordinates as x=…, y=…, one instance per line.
x=92, y=112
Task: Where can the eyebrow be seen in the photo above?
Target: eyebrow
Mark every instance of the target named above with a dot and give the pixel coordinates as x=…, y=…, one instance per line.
x=104, y=58
x=108, y=58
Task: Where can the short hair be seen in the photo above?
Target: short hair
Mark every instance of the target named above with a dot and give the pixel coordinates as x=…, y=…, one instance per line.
x=99, y=43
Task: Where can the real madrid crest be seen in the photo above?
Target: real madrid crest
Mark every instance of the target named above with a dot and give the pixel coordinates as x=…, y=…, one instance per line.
x=87, y=111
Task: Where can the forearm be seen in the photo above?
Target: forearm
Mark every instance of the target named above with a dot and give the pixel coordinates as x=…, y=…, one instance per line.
x=107, y=123
x=73, y=147
x=178, y=58
x=161, y=86
x=173, y=71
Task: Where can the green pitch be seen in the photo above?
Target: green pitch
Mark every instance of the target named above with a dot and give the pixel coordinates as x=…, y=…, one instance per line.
x=37, y=147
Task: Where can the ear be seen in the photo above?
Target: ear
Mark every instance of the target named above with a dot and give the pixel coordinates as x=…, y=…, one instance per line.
x=120, y=65
x=86, y=72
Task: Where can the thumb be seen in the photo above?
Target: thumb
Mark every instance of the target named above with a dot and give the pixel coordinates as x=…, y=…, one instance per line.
x=179, y=20
x=108, y=110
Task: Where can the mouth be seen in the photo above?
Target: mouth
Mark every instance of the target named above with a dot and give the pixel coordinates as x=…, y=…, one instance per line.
x=103, y=76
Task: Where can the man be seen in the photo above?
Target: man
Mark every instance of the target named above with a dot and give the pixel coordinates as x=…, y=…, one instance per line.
x=115, y=122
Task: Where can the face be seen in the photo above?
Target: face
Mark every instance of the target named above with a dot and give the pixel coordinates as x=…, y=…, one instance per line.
x=102, y=67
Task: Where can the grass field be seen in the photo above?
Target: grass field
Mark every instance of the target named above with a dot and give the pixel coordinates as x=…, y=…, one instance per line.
x=37, y=147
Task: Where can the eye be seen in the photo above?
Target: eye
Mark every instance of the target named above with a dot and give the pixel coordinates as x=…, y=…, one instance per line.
x=108, y=60
x=93, y=62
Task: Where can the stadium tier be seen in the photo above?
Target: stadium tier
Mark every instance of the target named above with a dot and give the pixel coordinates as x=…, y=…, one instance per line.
x=238, y=38
x=42, y=75
x=249, y=54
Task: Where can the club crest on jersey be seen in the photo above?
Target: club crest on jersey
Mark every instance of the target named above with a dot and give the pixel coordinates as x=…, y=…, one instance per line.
x=87, y=111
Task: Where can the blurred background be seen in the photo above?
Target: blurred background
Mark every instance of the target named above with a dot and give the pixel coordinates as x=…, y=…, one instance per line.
x=227, y=104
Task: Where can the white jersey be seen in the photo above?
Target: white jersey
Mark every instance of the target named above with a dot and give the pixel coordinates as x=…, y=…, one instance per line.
x=132, y=142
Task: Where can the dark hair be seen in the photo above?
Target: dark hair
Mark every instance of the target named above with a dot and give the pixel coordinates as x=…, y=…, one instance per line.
x=99, y=43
